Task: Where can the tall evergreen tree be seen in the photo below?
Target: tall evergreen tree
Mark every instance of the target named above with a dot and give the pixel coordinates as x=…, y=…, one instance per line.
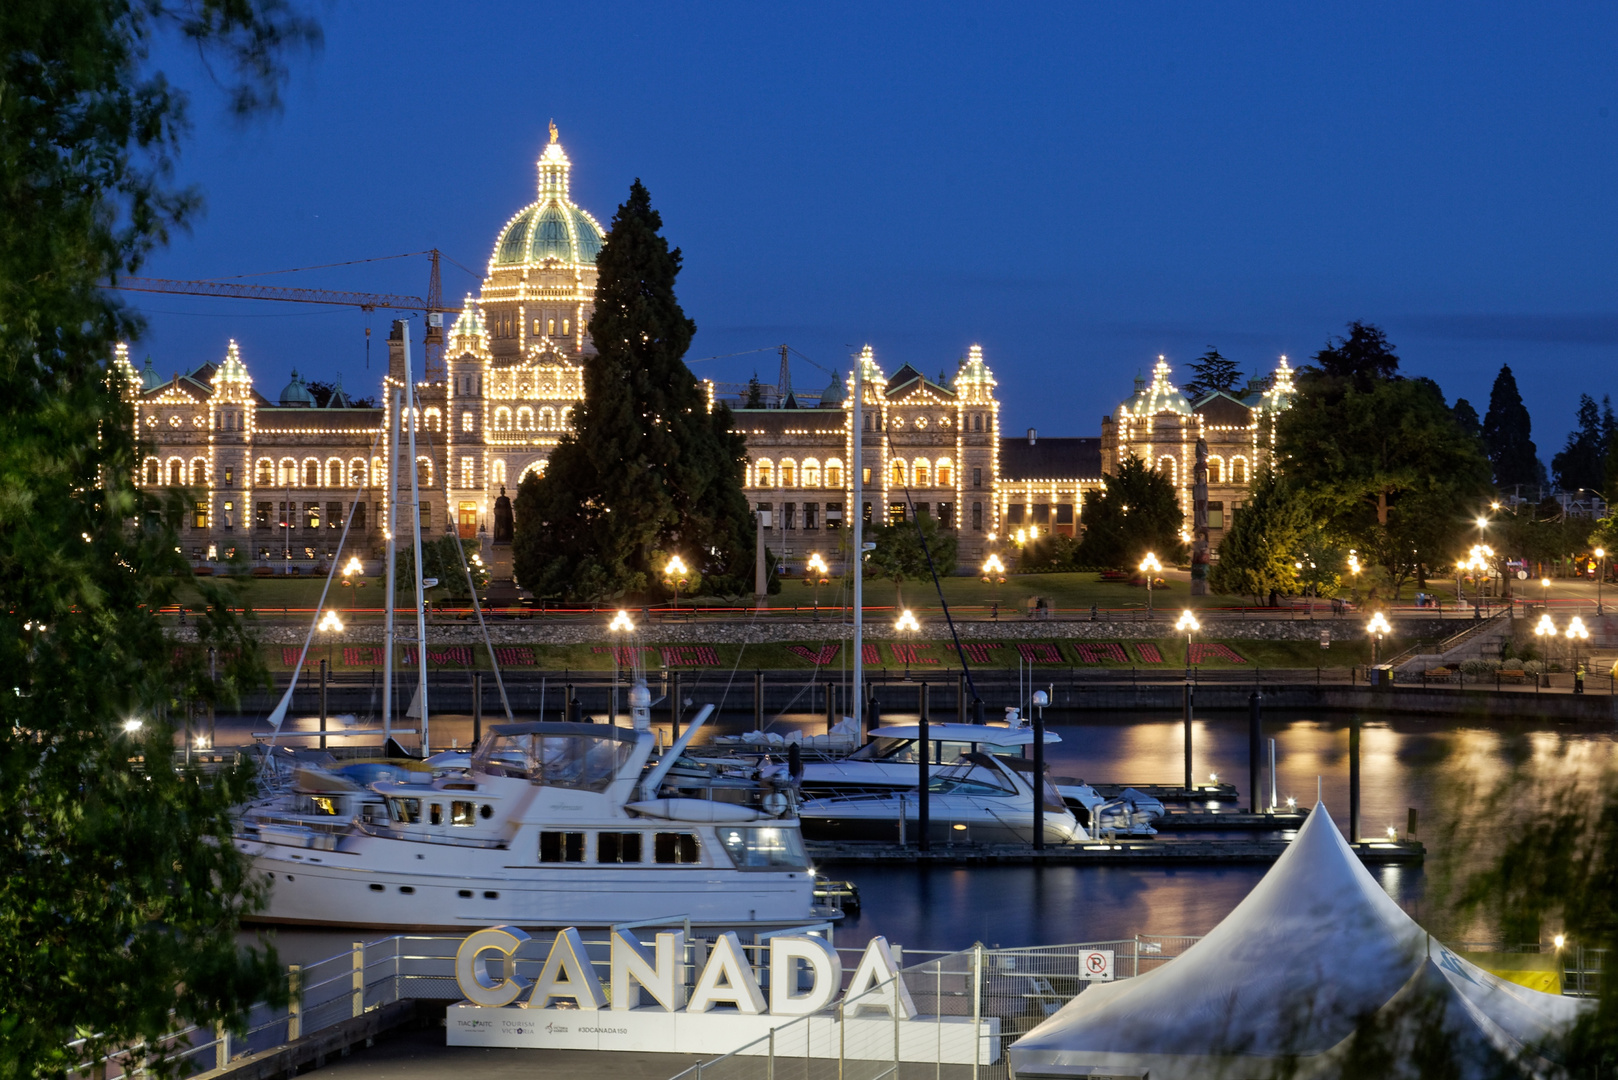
x=1135, y=512
x=1507, y=434
x=1259, y=554
x=1466, y=417
x=1212, y=371
x=1360, y=359
x=647, y=471
x=1581, y=463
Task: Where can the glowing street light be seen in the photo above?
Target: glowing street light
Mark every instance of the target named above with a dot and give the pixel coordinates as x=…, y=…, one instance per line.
x=1576, y=633
x=1601, y=558
x=994, y=571
x=816, y=571
x=353, y=566
x=330, y=623
x=907, y=625
x=1149, y=566
x=1187, y=625
x=675, y=574
x=620, y=623
x=132, y=725
x=1378, y=627
x=353, y=578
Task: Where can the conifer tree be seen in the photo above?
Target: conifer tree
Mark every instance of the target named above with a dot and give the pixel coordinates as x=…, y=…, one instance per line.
x=1258, y=556
x=1212, y=371
x=1135, y=512
x=1507, y=433
x=648, y=471
x=1581, y=463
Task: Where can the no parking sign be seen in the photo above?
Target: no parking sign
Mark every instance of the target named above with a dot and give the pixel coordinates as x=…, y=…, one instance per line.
x=1095, y=965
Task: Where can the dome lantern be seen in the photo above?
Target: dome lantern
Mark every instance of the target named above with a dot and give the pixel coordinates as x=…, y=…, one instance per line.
x=552, y=229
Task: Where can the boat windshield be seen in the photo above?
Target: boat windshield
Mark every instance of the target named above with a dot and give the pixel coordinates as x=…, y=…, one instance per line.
x=767, y=848
x=905, y=751
x=975, y=781
x=589, y=762
x=885, y=749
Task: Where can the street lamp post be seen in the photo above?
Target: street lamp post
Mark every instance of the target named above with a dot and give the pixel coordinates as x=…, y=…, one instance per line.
x=994, y=571
x=674, y=574
x=818, y=570
x=1545, y=593
x=1545, y=630
x=1601, y=558
x=1378, y=628
x=907, y=625
x=353, y=578
x=620, y=624
x=1149, y=566
x=1187, y=625
x=1576, y=633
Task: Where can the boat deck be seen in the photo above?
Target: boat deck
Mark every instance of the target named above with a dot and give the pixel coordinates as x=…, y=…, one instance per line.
x=1137, y=851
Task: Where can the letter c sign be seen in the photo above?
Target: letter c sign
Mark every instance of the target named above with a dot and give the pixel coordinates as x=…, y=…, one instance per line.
x=471, y=972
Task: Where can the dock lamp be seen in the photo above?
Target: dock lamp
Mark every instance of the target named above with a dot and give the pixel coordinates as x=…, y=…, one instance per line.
x=675, y=574
x=907, y=624
x=816, y=571
x=1150, y=567
x=1187, y=625
x=620, y=624
x=1378, y=628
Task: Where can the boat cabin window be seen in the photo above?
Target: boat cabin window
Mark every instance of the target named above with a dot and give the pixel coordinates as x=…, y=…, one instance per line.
x=980, y=783
x=461, y=813
x=561, y=847
x=437, y=814
x=406, y=811
x=672, y=847
x=764, y=848
x=904, y=751
x=324, y=804
x=618, y=847
x=587, y=762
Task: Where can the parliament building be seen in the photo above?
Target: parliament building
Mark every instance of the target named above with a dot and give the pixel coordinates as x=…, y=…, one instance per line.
x=279, y=477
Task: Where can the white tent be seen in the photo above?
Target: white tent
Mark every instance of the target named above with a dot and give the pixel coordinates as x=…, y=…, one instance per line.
x=1314, y=952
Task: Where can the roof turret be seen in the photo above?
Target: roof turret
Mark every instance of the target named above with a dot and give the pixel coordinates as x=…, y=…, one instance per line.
x=296, y=393
x=1162, y=396
x=834, y=394
x=149, y=378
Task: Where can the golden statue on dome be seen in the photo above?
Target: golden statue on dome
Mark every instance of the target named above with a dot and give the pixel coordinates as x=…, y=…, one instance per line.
x=553, y=133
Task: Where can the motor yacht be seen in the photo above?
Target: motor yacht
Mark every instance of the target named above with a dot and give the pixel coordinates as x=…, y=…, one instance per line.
x=890, y=757
x=549, y=824
x=979, y=798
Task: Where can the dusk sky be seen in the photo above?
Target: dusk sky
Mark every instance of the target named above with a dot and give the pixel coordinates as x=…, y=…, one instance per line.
x=1077, y=188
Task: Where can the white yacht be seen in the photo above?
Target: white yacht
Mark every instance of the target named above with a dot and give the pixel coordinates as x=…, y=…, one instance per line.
x=889, y=759
x=979, y=799
x=553, y=824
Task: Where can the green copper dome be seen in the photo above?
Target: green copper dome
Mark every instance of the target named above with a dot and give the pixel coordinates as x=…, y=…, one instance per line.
x=553, y=229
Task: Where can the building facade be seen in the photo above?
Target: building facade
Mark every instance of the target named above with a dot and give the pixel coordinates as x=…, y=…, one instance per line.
x=279, y=478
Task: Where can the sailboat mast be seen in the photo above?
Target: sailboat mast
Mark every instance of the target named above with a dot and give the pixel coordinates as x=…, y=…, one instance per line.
x=858, y=510
x=415, y=540
x=392, y=421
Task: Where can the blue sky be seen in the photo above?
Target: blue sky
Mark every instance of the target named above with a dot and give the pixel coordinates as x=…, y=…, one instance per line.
x=1076, y=187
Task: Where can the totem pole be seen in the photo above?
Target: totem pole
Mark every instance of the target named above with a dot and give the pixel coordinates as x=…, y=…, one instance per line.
x=1199, y=522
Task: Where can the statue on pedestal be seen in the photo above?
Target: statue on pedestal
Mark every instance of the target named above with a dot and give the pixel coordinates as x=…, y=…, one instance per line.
x=502, y=518
x=1199, y=522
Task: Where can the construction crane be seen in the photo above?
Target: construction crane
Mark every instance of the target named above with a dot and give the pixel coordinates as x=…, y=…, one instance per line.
x=432, y=305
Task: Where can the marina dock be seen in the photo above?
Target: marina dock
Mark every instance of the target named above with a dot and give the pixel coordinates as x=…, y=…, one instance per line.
x=1134, y=852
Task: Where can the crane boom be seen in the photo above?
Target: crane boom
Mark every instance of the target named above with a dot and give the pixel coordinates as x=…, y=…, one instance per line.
x=363, y=300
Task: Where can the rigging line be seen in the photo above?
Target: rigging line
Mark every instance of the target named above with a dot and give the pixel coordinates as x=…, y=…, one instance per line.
x=322, y=266
x=460, y=266
x=814, y=363
x=744, y=352
x=959, y=652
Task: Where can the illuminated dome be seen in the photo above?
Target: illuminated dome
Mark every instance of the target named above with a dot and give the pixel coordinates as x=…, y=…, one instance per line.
x=1162, y=396
x=552, y=229
x=296, y=393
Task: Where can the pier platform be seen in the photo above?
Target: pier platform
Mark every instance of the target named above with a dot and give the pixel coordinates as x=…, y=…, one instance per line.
x=1138, y=852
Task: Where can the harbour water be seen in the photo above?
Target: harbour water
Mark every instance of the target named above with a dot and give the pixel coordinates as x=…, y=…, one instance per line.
x=1435, y=766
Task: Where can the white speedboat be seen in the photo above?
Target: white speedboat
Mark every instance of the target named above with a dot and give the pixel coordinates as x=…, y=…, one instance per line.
x=890, y=759
x=552, y=824
x=980, y=799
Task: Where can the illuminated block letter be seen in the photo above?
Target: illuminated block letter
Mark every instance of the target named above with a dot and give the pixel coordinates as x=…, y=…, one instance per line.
x=472, y=973
x=825, y=971
x=727, y=978
x=634, y=968
x=876, y=967
x=568, y=958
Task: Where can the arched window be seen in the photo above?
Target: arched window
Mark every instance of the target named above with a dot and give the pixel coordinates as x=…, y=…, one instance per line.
x=525, y=419
x=789, y=472
x=811, y=472
x=264, y=474
x=311, y=473
x=898, y=473
x=466, y=421
x=288, y=472
x=550, y=327
x=500, y=470
x=834, y=473
x=922, y=472
x=1168, y=467
x=502, y=419
x=766, y=473
x=566, y=416
x=379, y=472
x=199, y=472
x=946, y=473
x=424, y=472
x=334, y=472
x=534, y=468
x=435, y=420
x=566, y=327
x=153, y=468
x=1238, y=470
x=1216, y=470
x=176, y=472
x=977, y=421
x=356, y=472
x=468, y=472
x=547, y=418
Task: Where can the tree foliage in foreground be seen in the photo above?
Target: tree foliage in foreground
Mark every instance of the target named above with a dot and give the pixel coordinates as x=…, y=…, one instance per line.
x=647, y=471
x=1257, y=555
x=120, y=890
x=1508, y=434
x=1134, y=512
x=900, y=556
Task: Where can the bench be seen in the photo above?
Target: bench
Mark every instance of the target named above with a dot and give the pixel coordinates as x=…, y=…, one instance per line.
x=1438, y=673
x=1513, y=675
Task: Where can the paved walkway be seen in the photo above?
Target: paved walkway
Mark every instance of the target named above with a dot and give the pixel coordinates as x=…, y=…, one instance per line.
x=420, y=1054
